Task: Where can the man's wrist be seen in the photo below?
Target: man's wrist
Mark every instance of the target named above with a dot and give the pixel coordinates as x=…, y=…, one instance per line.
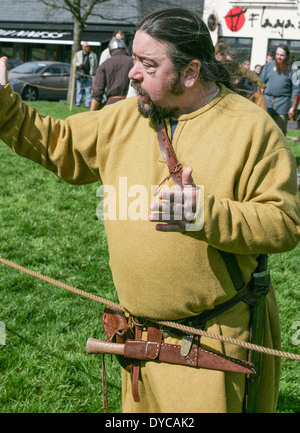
x=3, y=86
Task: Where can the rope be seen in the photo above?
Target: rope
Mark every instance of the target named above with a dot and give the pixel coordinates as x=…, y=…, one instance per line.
x=169, y=324
x=63, y=74
x=60, y=284
x=43, y=87
x=230, y=340
x=52, y=75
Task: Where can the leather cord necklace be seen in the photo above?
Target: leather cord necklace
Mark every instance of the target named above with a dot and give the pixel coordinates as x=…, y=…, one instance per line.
x=174, y=166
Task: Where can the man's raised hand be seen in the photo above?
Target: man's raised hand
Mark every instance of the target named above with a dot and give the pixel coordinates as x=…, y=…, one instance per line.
x=176, y=208
x=3, y=72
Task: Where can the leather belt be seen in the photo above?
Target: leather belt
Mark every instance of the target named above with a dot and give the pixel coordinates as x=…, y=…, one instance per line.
x=202, y=318
x=116, y=97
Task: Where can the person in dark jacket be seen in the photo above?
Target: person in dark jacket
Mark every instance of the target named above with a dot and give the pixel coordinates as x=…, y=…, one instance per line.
x=112, y=76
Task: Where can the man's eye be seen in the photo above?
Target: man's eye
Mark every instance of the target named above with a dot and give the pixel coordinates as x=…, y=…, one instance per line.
x=149, y=68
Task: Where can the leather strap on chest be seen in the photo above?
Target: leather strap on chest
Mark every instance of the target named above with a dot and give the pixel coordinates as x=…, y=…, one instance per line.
x=174, y=166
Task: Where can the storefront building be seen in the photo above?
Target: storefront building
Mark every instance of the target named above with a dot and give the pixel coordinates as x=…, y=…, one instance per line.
x=254, y=28
x=28, y=42
x=31, y=31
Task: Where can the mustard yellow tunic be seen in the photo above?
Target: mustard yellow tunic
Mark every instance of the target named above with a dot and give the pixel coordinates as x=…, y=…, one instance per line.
x=251, y=206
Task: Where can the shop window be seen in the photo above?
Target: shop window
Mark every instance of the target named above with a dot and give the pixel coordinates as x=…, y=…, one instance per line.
x=38, y=52
x=51, y=50
x=12, y=50
x=241, y=48
x=6, y=49
x=66, y=53
x=44, y=52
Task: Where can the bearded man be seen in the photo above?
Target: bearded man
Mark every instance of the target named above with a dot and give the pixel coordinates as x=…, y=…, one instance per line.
x=172, y=264
x=280, y=89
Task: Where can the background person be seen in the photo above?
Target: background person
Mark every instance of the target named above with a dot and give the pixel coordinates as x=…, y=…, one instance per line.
x=112, y=76
x=280, y=89
x=269, y=58
x=246, y=87
x=86, y=65
x=257, y=69
x=294, y=115
x=119, y=34
x=243, y=79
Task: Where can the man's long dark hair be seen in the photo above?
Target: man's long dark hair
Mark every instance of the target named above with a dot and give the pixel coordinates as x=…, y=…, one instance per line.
x=188, y=38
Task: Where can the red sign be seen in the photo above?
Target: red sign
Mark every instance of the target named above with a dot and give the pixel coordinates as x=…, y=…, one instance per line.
x=235, y=19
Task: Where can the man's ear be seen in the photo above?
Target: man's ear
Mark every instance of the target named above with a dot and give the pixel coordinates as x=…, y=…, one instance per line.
x=191, y=73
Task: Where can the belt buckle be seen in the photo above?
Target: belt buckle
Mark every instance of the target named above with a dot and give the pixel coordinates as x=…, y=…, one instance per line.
x=186, y=344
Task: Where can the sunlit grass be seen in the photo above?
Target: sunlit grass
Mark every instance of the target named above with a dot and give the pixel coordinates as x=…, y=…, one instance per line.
x=51, y=227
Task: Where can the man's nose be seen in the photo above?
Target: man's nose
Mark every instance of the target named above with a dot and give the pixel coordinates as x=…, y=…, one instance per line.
x=135, y=73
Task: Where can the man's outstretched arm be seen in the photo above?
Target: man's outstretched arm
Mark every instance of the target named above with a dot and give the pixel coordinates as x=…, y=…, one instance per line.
x=68, y=147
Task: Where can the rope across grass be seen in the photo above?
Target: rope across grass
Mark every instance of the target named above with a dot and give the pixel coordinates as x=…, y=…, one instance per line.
x=169, y=324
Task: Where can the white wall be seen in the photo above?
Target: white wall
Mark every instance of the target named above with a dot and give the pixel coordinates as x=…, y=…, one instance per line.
x=257, y=13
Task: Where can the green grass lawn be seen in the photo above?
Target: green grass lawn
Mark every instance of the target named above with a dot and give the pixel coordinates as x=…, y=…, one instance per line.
x=51, y=227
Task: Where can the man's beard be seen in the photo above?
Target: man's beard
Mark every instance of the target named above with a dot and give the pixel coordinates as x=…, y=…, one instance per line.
x=281, y=67
x=154, y=111
x=151, y=110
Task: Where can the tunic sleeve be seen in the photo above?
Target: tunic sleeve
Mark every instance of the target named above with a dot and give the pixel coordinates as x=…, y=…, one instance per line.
x=264, y=216
x=67, y=148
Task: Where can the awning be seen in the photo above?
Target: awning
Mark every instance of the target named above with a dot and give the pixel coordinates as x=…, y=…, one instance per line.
x=46, y=37
x=62, y=34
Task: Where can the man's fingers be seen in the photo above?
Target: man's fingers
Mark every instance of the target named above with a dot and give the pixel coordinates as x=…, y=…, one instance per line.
x=169, y=228
x=166, y=217
x=170, y=196
x=187, y=177
x=166, y=206
x=175, y=208
x=179, y=196
x=3, y=72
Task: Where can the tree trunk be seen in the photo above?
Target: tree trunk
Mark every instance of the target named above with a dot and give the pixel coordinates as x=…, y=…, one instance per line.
x=77, y=32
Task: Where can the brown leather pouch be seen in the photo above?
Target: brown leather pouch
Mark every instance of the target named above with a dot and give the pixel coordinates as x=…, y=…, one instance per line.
x=117, y=330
